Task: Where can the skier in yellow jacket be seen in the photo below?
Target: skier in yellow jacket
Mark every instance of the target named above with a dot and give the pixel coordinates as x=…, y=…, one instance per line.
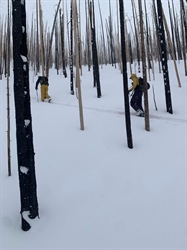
x=43, y=80
x=136, y=100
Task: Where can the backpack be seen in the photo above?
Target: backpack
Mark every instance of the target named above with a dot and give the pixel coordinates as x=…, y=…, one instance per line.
x=141, y=84
x=43, y=80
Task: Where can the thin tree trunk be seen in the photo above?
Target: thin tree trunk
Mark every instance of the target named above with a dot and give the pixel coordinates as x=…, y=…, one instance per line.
x=37, y=42
x=154, y=98
x=136, y=33
x=80, y=41
x=125, y=78
x=146, y=103
x=56, y=49
x=94, y=50
x=8, y=92
x=51, y=39
x=118, y=39
x=88, y=36
x=62, y=43
x=147, y=42
x=127, y=47
x=77, y=65
x=1, y=43
x=71, y=48
x=41, y=39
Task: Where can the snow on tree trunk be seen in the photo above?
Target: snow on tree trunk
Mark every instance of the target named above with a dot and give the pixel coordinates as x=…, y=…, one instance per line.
x=164, y=58
x=25, y=148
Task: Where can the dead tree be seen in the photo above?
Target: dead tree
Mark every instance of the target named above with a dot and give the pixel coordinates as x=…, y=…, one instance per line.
x=96, y=75
x=136, y=34
x=78, y=85
x=102, y=36
x=51, y=40
x=172, y=31
x=8, y=92
x=146, y=103
x=71, y=49
x=164, y=59
x=87, y=47
x=147, y=41
x=24, y=135
x=158, y=49
x=37, y=51
x=56, y=48
x=184, y=33
x=125, y=78
x=62, y=42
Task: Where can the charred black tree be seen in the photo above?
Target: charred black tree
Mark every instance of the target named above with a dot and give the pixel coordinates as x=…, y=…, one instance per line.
x=164, y=58
x=71, y=50
x=184, y=20
x=130, y=48
x=111, y=36
x=87, y=42
x=56, y=49
x=96, y=75
x=25, y=148
x=125, y=78
x=62, y=43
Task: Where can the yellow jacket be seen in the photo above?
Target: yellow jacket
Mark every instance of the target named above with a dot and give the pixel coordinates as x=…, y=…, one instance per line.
x=135, y=82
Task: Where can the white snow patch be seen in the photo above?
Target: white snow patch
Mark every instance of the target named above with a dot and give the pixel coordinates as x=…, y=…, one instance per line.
x=24, y=170
x=27, y=122
x=23, y=29
x=24, y=58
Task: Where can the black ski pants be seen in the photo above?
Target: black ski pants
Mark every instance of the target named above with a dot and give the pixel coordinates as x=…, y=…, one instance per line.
x=136, y=100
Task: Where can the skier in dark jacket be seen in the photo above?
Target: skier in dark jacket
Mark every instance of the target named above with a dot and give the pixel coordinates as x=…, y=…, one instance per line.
x=136, y=100
x=43, y=80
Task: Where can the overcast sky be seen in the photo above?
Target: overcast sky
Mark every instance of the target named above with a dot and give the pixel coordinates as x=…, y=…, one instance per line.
x=49, y=7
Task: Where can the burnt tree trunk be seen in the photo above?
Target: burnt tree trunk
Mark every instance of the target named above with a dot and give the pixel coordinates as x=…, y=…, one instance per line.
x=125, y=78
x=71, y=50
x=164, y=58
x=146, y=102
x=62, y=43
x=96, y=75
x=25, y=148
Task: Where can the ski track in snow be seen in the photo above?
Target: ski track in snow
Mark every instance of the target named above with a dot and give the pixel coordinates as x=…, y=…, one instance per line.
x=159, y=117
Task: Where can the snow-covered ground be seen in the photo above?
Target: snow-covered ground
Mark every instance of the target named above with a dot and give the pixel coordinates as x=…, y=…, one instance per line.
x=93, y=191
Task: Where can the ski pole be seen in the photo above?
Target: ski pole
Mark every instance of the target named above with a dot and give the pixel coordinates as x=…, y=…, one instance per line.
x=37, y=95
